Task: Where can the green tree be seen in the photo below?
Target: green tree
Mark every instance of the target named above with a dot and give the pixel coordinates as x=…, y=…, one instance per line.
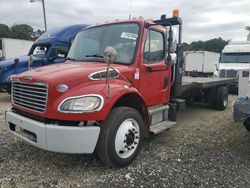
x=22, y=31
x=215, y=45
x=37, y=34
x=212, y=45
x=5, y=31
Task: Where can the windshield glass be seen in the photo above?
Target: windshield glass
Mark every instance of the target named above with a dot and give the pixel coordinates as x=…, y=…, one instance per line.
x=235, y=58
x=89, y=44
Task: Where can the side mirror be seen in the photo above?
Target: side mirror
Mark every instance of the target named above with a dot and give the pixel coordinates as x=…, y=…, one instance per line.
x=54, y=54
x=171, y=59
x=109, y=55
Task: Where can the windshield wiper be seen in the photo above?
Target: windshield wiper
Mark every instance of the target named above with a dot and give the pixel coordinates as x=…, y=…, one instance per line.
x=94, y=55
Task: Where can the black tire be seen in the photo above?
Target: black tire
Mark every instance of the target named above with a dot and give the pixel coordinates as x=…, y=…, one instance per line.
x=211, y=97
x=222, y=98
x=107, y=142
x=247, y=124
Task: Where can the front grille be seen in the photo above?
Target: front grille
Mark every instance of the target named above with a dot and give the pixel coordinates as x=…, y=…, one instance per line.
x=228, y=73
x=32, y=96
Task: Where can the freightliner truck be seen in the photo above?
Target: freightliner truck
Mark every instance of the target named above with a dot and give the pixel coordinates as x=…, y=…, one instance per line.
x=122, y=82
x=50, y=48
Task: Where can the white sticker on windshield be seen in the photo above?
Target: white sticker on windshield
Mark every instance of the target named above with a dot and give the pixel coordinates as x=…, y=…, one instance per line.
x=131, y=36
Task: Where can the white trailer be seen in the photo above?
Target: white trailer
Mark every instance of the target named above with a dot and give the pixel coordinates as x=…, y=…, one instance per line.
x=11, y=48
x=235, y=56
x=241, y=105
x=201, y=63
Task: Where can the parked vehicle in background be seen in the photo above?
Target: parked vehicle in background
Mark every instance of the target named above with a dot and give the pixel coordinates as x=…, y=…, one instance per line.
x=235, y=56
x=11, y=48
x=201, y=63
x=122, y=83
x=241, y=106
x=51, y=47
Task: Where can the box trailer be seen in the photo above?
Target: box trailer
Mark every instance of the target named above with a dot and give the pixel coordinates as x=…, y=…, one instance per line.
x=201, y=63
x=11, y=48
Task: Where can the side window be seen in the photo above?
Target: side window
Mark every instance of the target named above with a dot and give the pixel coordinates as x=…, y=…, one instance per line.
x=62, y=50
x=154, y=47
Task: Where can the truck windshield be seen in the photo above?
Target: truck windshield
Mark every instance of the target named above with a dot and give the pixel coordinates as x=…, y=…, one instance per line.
x=89, y=44
x=235, y=58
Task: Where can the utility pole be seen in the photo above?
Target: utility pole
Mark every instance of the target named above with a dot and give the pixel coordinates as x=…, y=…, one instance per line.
x=44, y=14
x=248, y=36
x=130, y=6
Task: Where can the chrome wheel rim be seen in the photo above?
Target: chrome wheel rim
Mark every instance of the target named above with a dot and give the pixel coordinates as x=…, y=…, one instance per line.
x=127, y=138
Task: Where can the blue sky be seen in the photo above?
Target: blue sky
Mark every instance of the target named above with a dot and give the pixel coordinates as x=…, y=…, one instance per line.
x=202, y=19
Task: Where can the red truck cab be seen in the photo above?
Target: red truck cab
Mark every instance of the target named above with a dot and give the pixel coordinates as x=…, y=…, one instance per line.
x=96, y=101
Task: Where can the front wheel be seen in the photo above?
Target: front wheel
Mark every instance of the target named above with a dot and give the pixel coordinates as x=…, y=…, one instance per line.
x=121, y=137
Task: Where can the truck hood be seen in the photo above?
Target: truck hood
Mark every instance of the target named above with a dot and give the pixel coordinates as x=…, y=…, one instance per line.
x=71, y=73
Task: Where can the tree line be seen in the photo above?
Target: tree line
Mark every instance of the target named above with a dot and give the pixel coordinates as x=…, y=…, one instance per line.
x=19, y=31
x=24, y=31
x=212, y=45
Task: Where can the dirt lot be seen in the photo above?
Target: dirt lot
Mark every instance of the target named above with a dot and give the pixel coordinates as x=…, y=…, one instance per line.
x=205, y=149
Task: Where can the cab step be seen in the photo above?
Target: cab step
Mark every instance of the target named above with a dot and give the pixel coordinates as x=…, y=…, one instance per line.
x=162, y=126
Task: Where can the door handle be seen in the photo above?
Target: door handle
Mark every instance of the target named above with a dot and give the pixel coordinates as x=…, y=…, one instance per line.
x=151, y=69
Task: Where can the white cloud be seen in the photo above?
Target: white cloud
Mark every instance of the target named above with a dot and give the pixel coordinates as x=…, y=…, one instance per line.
x=202, y=19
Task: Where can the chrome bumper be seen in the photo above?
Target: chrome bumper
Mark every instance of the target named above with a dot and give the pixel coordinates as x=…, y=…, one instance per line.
x=52, y=137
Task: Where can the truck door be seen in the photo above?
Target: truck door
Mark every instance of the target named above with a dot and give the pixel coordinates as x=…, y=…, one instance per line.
x=155, y=75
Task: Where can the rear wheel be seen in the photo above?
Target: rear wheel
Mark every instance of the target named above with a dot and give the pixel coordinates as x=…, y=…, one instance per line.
x=121, y=137
x=222, y=98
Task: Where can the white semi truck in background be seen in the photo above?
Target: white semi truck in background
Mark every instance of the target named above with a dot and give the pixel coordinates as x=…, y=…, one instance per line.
x=235, y=56
x=241, y=105
x=11, y=48
x=201, y=63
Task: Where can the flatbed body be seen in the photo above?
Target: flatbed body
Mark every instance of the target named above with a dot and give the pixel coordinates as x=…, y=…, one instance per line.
x=197, y=83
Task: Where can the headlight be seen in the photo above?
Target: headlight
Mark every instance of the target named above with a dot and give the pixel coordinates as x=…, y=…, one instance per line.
x=81, y=104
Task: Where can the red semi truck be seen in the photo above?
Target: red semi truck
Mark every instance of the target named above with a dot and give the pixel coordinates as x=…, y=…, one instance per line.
x=122, y=82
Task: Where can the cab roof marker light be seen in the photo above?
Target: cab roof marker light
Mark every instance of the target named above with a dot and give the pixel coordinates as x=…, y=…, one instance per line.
x=176, y=13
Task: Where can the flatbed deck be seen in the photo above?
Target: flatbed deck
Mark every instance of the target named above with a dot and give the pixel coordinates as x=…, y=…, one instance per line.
x=192, y=83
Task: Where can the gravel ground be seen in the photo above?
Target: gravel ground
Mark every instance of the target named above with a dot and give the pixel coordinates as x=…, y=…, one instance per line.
x=205, y=149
